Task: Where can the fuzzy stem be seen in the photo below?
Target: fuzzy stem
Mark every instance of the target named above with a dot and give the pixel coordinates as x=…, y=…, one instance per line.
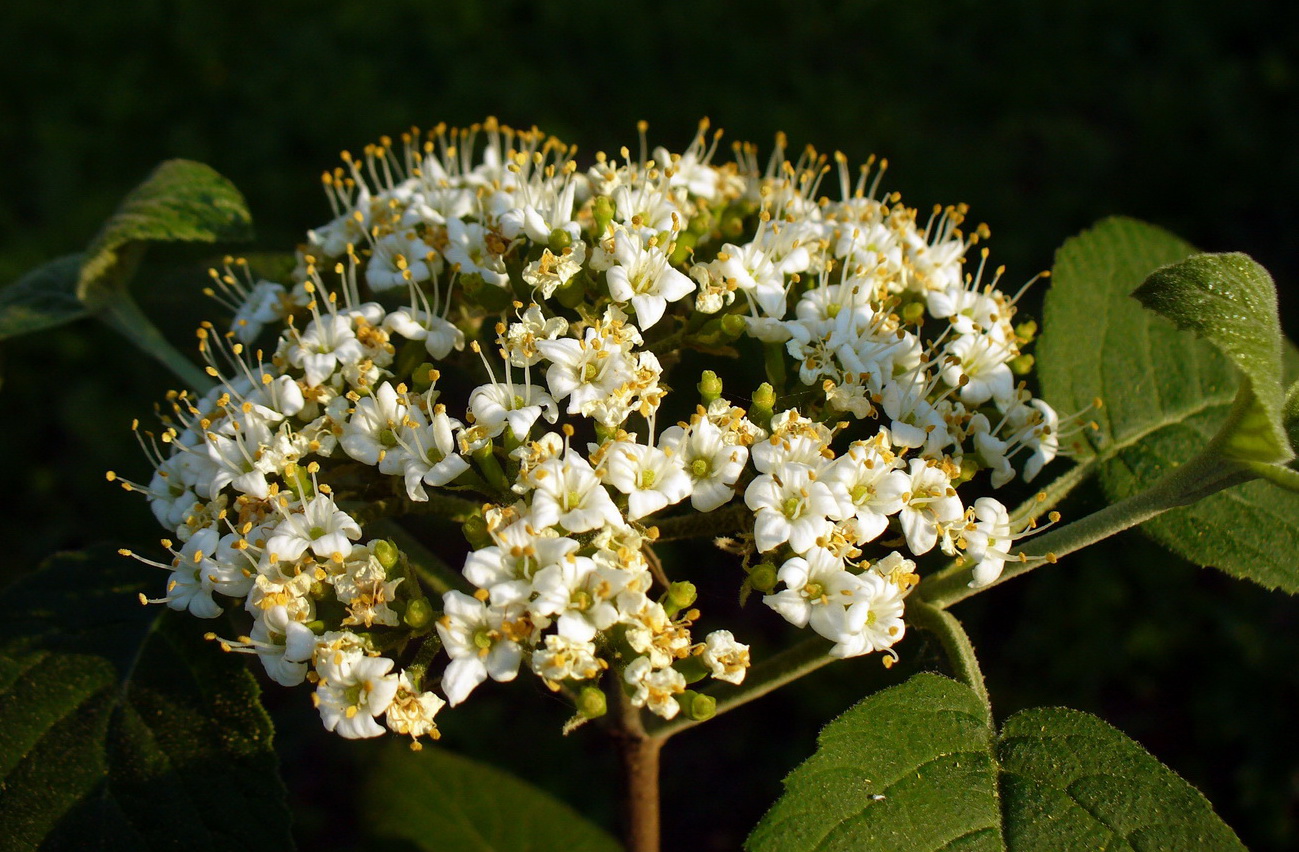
x=956, y=643
x=698, y=524
x=1201, y=476
x=771, y=674
x=640, y=762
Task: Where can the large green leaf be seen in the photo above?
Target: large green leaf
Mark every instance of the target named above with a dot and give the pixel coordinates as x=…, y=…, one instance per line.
x=121, y=728
x=181, y=201
x=918, y=767
x=1165, y=394
x=442, y=802
x=43, y=298
x=1230, y=300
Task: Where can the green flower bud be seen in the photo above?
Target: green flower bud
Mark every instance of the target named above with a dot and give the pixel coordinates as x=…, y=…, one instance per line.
x=591, y=703
x=559, y=240
x=297, y=480
x=762, y=577
x=419, y=613
x=697, y=706
x=475, y=531
x=422, y=377
x=913, y=312
x=764, y=403
x=1022, y=365
x=603, y=210
x=387, y=553
x=969, y=467
x=1026, y=331
x=680, y=595
x=710, y=387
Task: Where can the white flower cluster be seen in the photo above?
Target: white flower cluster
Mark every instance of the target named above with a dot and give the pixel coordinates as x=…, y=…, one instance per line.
x=481, y=333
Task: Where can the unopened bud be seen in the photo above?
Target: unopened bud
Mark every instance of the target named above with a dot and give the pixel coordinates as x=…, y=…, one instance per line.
x=602, y=211
x=710, y=387
x=1022, y=365
x=762, y=577
x=591, y=703
x=913, y=312
x=1026, y=331
x=680, y=595
x=764, y=404
x=419, y=612
x=697, y=706
x=559, y=240
x=423, y=376
x=297, y=480
x=387, y=553
x=475, y=531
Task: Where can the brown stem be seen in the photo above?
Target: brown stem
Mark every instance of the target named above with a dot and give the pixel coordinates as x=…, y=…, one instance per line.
x=640, y=764
x=640, y=761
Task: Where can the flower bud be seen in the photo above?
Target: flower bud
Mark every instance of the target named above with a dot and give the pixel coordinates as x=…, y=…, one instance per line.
x=387, y=553
x=913, y=312
x=297, y=480
x=1022, y=365
x=680, y=595
x=591, y=703
x=423, y=376
x=697, y=706
x=603, y=211
x=762, y=577
x=764, y=403
x=710, y=387
x=475, y=531
x=559, y=240
x=1026, y=331
x=692, y=668
x=419, y=612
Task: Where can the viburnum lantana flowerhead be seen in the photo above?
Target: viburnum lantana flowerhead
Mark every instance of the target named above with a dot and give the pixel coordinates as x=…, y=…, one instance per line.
x=495, y=336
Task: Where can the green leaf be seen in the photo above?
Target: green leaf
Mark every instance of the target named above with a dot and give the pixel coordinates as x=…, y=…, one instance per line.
x=1166, y=394
x=910, y=768
x=181, y=201
x=121, y=727
x=43, y=298
x=918, y=767
x=1290, y=415
x=442, y=802
x=1230, y=300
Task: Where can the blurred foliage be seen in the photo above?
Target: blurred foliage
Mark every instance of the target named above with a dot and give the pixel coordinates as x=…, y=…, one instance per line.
x=1043, y=117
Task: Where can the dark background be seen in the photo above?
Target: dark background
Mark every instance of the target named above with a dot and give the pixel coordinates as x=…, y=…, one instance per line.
x=1181, y=113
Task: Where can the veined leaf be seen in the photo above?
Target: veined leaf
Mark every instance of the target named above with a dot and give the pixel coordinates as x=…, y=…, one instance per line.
x=1165, y=394
x=1230, y=300
x=918, y=767
x=43, y=298
x=442, y=802
x=181, y=201
x=121, y=727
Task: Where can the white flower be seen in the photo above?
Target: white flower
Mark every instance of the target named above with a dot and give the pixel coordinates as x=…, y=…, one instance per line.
x=411, y=713
x=321, y=527
x=481, y=641
x=569, y=493
x=644, y=277
x=790, y=506
x=713, y=465
x=650, y=477
x=562, y=658
x=655, y=688
x=987, y=544
x=726, y=659
x=930, y=507
x=353, y=696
